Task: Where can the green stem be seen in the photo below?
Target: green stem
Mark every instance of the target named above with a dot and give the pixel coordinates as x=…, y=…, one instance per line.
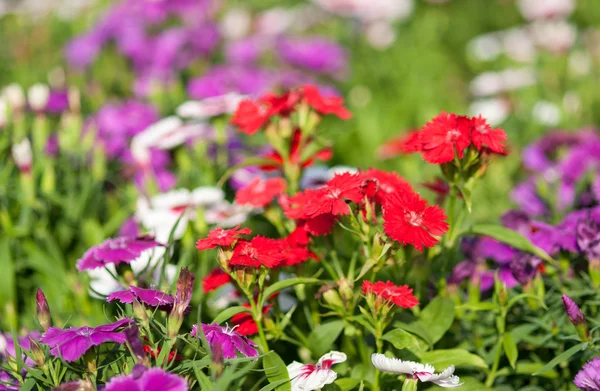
x=379, y=344
x=501, y=326
x=257, y=315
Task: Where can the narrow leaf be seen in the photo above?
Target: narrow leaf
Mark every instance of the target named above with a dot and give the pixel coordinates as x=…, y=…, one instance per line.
x=564, y=356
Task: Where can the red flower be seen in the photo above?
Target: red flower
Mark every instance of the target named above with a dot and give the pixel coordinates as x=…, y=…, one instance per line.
x=409, y=220
x=444, y=135
x=215, y=279
x=260, y=192
x=407, y=143
x=389, y=183
x=299, y=237
x=325, y=105
x=220, y=237
x=244, y=322
x=172, y=355
x=400, y=295
x=483, y=134
x=250, y=116
x=282, y=105
x=260, y=251
x=320, y=225
x=332, y=198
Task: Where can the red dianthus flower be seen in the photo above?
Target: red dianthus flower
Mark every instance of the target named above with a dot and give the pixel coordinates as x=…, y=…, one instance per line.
x=483, y=134
x=260, y=192
x=260, y=251
x=332, y=198
x=400, y=295
x=220, y=237
x=215, y=279
x=444, y=135
x=250, y=115
x=325, y=105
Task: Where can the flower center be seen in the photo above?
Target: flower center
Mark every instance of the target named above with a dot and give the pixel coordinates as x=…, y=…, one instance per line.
x=452, y=135
x=334, y=194
x=413, y=218
x=482, y=129
x=117, y=244
x=85, y=332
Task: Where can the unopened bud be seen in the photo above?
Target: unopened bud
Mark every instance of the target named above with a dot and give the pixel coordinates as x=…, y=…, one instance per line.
x=576, y=317
x=133, y=339
x=36, y=351
x=183, y=297
x=332, y=298
x=42, y=310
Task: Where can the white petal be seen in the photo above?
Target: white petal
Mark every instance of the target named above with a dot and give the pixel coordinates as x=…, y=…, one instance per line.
x=445, y=379
x=295, y=369
x=207, y=195
x=334, y=357
x=394, y=365
x=314, y=380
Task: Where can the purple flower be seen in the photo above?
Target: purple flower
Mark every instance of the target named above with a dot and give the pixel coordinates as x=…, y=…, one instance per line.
x=149, y=297
x=588, y=378
x=7, y=382
x=58, y=102
x=524, y=267
x=72, y=343
x=573, y=310
x=129, y=228
x=24, y=343
x=316, y=54
x=246, y=51
x=588, y=239
x=122, y=249
x=525, y=195
x=228, y=340
x=223, y=79
x=51, y=148
x=154, y=379
x=82, y=51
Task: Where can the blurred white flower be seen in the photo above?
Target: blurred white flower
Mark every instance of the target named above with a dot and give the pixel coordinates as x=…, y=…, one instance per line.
x=423, y=372
x=515, y=78
x=3, y=344
x=571, y=102
x=369, y=10
x=554, y=36
x=494, y=110
x=485, y=47
x=381, y=35
x=14, y=95
x=235, y=24
x=37, y=96
x=210, y=107
x=546, y=113
x=518, y=45
x=227, y=215
x=309, y=377
x=580, y=63
x=546, y=9
x=317, y=176
x=3, y=111
x=274, y=21
x=487, y=83
x=21, y=153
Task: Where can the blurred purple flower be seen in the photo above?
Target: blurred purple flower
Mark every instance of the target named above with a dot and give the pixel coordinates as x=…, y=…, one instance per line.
x=315, y=54
x=51, y=148
x=58, y=102
x=149, y=297
x=129, y=228
x=222, y=79
x=121, y=249
x=246, y=51
x=7, y=382
x=151, y=379
x=228, y=340
x=525, y=195
x=524, y=267
x=7, y=341
x=82, y=51
x=588, y=378
x=588, y=238
x=72, y=343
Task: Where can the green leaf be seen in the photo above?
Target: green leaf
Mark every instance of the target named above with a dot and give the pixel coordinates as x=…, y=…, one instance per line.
x=437, y=317
x=481, y=306
x=510, y=349
x=441, y=359
x=512, y=238
x=472, y=384
x=276, y=371
x=7, y=283
x=281, y=285
x=229, y=313
x=274, y=385
x=564, y=356
x=347, y=384
x=404, y=340
x=528, y=368
x=417, y=329
x=323, y=336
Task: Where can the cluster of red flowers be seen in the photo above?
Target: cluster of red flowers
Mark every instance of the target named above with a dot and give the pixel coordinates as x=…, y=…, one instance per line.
x=449, y=134
x=220, y=237
x=399, y=295
x=407, y=217
x=251, y=115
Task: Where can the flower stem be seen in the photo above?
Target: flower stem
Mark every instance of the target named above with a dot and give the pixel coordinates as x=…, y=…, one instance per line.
x=257, y=316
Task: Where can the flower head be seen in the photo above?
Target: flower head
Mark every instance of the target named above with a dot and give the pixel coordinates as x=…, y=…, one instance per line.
x=325, y=105
x=588, y=238
x=309, y=377
x=151, y=379
x=400, y=295
x=228, y=340
x=588, y=378
x=409, y=220
x=260, y=251
x=260, y=192
x=122, y=249
x=220, y=237
x=483, y=134
x=443, y=136
x=422, y=372
x=72, y=343
x=42, y=310
x=215, y=279
x=149, y=297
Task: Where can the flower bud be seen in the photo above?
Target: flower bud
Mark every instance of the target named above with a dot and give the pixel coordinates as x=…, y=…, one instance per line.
x=332, y=298
x=36, y=351
x=42, y=310
x=410, y=384
x=37, y=96
x=576, y=317
x=183, y=297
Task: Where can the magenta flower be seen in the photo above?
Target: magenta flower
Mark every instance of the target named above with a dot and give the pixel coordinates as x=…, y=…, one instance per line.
x=154, y=379
x=588, y=238
x=122, y=249
x=588, y=378
x=149, y=297
x=227, y=340
x=72, y=343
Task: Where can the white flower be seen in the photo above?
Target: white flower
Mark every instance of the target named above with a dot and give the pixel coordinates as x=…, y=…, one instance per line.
x=546, y=113
x=423, y=372
x=210, y=107
x=236, y=23
x=370, y=10
x=37, y=96
x=380, y=35
x=274, y=21
x=21, y=152
x=494, y=110
x=308, y=377
x=227, y=215
x=518, y=45
x=554, y=36
x=3, y=344
x=485, y=47
x=14, y=95
x=3, y=111
x=545, y=9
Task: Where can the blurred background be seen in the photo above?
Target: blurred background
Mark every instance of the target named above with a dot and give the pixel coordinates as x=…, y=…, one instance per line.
x=528, y=66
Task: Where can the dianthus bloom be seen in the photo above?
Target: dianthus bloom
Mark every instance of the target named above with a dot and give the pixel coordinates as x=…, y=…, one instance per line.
x=332, y=198
x=220, y=237
x=387, y=183
x=149, y=297
x=151, y=379
x=483, y=134
x=325, y=105
x=422, y=372
x=123, y=249
x=260, y=192
x=588, y=378
x=400, y=295
x=250, y=116
x=215, y=279
x=260, y=251
x=409, y=220
x=72, y=343
x=244, y=323
x=309, y=377
x=227, y=339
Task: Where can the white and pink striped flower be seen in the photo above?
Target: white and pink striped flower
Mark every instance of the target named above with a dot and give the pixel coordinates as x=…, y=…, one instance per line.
x=309, y=377
x=422, y=372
